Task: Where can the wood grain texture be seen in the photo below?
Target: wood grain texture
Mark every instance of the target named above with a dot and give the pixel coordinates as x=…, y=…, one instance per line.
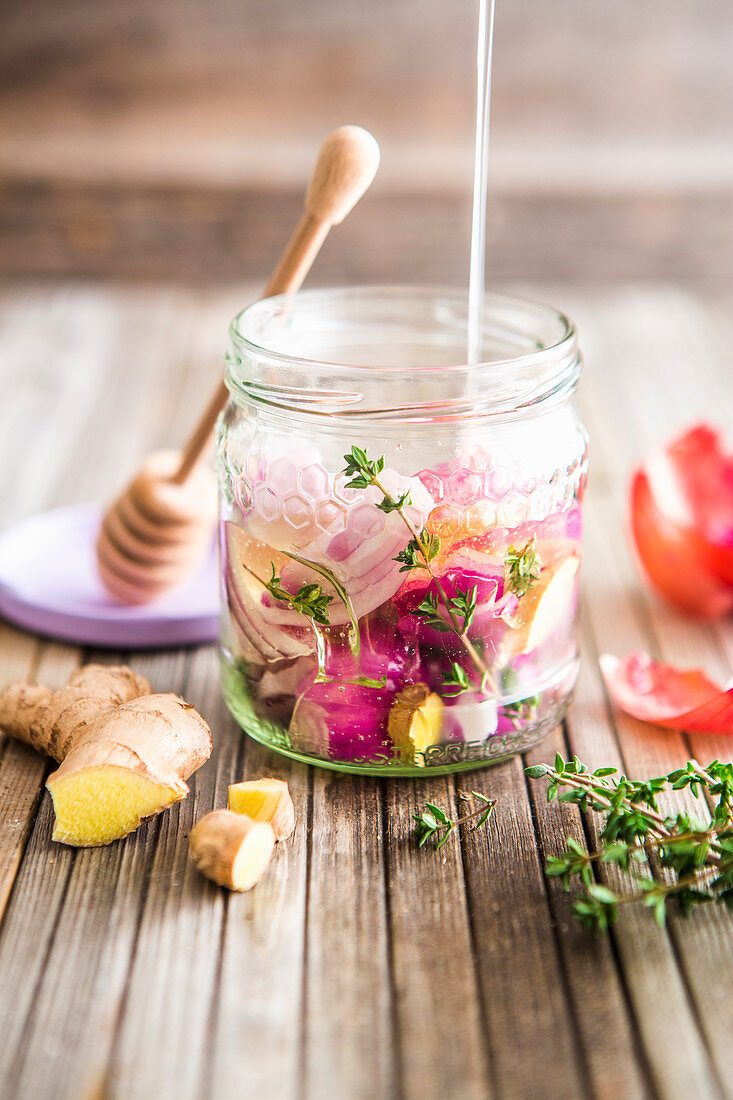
x=203, y=234
x=360, y=967
x=438, y=1013
x=159, y=88
x=523, y=993
x=257, y=1019
x=607, y=1034
x=348, y=1005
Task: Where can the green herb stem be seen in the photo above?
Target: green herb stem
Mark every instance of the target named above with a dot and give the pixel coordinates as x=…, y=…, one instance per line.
x=699, y=857
x=367, y=473
x=432, y=823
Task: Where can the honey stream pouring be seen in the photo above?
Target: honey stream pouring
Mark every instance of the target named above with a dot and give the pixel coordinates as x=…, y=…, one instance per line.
x=158, y=531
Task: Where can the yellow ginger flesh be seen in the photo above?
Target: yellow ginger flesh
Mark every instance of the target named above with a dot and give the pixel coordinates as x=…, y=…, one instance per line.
x=125, y=753
x=265, y=800
x=415, y=722
x=98, y=805
x=544, y=606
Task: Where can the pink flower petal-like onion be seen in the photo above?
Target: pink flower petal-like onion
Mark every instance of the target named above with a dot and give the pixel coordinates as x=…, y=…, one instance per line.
x=668, y=696
x=682, y=522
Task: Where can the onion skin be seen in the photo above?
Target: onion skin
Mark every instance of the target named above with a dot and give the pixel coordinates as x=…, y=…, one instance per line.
x=675, y=698
x=675, y=559
x=462, y=570
x=244, y=560
x=682, y=522
x=337, y=527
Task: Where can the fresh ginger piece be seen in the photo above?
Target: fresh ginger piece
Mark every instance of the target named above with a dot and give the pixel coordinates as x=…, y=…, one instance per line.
x=265, y=800
x=545, y=606
x=231, y=849
x=125, y=754
x=415, y=722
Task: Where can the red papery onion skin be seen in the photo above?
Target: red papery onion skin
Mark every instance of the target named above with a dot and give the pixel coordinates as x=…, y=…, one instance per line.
x=667, y=696
x=675, y=558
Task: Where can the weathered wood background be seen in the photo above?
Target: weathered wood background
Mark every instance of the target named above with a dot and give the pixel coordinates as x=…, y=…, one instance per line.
x=170, y=139
x=361, y=966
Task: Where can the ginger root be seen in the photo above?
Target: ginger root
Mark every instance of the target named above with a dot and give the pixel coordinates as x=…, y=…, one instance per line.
x=415, y=722
x=125, y=753
x=231, y=849
x=265, y=800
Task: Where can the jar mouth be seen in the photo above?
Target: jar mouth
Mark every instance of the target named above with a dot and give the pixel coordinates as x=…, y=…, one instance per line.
x=398, y=353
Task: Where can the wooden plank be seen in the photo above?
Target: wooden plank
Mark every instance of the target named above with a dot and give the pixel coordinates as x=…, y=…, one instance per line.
x=104, y=333
x=348, y=1010
x=100, y=92
x=21, y=770
x=203, y=235
x=67, y=1038
x=673, y=1048
x=600, y=1009
x=35, y=332
x=39, y=885
x=527, y=1013
x=258, y=1013
x=477, y=948
x=619, y=611
x=57, y=356
x=161, y=1028
x=66, y=356
x=705, y=944
x=440, y=1035
x=162, y=1046
x=138, y=365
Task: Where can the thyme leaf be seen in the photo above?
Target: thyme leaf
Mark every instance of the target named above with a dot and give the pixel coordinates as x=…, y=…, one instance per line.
x=456, y=679
x=418, y=554
x=388, y=505
x=310, y=599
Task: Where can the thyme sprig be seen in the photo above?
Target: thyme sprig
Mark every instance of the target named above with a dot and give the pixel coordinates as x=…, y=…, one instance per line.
x=310, y=599
x=419, y=553
x=698, y=855
x=432, y=823
x=521, y=568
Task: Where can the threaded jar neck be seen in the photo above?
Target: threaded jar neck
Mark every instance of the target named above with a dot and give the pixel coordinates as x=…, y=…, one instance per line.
x=397, y=354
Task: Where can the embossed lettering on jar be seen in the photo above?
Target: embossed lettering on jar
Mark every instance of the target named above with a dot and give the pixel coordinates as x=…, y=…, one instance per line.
x=400, y=533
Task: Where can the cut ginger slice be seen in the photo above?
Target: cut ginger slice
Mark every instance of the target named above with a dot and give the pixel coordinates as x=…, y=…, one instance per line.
x=415, y=722
x=545, y=606
x=265, y=800
x=230, y=849
x=96, y=805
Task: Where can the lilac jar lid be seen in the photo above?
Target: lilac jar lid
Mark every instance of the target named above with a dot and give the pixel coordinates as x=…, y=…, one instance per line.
x=49, y=585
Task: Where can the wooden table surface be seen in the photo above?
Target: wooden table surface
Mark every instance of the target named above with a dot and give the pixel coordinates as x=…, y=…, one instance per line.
x=361, y=967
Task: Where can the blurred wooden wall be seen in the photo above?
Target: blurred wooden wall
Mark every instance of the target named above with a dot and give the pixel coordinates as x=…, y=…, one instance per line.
x=159, y=139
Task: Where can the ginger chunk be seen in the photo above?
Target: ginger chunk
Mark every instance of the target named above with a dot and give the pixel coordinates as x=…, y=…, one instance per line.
x=265, y=800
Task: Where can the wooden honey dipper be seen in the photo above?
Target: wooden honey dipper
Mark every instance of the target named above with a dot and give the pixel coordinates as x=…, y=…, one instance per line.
x=158, y=531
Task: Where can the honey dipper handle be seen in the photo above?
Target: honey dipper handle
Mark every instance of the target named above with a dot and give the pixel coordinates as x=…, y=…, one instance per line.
x=346, y=165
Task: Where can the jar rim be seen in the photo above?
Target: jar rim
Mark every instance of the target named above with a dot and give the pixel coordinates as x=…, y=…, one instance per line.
x=500, y=385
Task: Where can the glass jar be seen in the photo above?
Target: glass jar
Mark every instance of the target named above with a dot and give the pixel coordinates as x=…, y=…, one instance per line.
x=400, y=532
